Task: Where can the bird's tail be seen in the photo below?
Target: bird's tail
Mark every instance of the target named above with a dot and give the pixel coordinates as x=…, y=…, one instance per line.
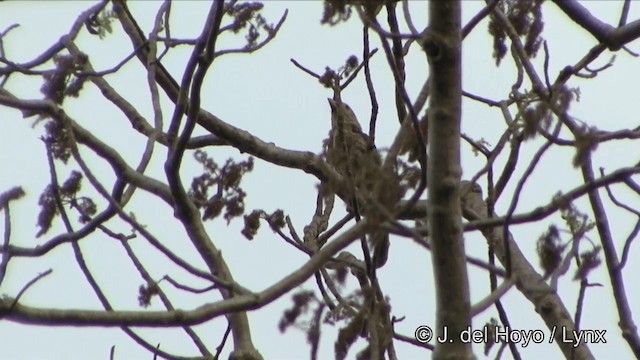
x=379, y=242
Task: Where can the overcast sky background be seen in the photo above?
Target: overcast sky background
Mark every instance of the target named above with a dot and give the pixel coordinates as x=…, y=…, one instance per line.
x=265, y=94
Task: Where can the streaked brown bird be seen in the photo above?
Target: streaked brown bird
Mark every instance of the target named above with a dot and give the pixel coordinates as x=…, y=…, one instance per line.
x=352, y=153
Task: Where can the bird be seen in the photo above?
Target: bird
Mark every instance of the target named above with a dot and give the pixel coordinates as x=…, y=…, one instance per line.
x=354, y=156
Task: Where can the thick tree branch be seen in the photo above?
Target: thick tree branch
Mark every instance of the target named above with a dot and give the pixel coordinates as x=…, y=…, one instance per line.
x=238, y=138
x=443, y=47
x=57, y=317
x=533, y=286
x=627, y=325
x=613, y=37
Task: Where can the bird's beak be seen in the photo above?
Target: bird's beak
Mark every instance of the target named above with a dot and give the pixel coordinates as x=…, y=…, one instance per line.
x=332, y=103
